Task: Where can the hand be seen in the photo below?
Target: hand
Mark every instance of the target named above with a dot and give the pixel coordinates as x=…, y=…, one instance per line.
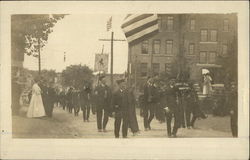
x=167, y=109
x=231, y=112
x=116, y=106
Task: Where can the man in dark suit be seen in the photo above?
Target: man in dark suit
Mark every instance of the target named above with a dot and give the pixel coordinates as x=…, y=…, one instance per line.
x=172, y=109
x=102, y=99
x=69, y=97
x=233, y=102
x=151, y=100
x=85, y=95
x=43, y=85
x=121, y=108
x=51, y=99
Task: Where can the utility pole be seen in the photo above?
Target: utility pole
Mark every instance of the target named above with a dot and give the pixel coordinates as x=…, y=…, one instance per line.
x=39, y=57
x=112, y=56
x=111, y=66
x=111, y=63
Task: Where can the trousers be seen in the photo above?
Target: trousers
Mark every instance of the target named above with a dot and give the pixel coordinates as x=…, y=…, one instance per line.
x=102, y=117
x=121, y=117
x=169, y=117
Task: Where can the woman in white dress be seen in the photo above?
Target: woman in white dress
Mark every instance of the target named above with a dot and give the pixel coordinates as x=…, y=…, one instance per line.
x=36, y=108
x=207, y=87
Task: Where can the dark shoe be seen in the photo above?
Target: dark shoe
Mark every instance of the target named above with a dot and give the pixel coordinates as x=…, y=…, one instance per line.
x=99, y=130
x=104, y=130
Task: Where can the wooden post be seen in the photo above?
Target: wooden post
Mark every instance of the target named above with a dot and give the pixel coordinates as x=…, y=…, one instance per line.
x=111, y=66
x=39, y=57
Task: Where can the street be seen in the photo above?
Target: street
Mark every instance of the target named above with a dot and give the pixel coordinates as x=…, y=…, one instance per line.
x=66, y=125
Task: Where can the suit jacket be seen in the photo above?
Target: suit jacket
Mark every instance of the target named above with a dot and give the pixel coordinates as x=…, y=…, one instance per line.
x=102, y=96
x=121, y=101
x=51, y=95
x=171, y=97
x=44, y=93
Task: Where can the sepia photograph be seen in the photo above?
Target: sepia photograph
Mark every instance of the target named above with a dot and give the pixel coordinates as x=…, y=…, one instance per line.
x=125, y=76
x=177, y=77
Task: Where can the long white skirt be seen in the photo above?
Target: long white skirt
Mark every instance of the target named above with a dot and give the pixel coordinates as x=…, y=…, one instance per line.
x=207, y=89
x=36, y=108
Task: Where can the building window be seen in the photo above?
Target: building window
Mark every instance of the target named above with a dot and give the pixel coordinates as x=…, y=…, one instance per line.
x=144, y=69
x=156, y=46
x=213, y=34
x=191, y=49
x=212, y=57
x=160, y=23
x=170, y=23
x=169, y=47
x=192, y=24
x=224, y=49
x=203, y=57
x=144, y=47
x=226, y=25
x=204, y=35
x=156, y=68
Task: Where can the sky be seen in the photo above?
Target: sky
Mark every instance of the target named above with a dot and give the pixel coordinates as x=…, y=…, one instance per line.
x=78, y=36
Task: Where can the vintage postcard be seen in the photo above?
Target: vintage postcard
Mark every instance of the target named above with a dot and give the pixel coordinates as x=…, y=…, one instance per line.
x=124, y=80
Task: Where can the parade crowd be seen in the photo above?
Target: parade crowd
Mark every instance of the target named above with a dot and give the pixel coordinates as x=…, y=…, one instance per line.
x=167, y=102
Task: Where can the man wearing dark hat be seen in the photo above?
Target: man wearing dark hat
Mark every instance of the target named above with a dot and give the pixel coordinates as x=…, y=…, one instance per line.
x=151, y=100
x=51, y=99
x=172, y=109
x=85, y=102
x=102, y=93
x=121, y=109
x=69, y=97
x=42, y=84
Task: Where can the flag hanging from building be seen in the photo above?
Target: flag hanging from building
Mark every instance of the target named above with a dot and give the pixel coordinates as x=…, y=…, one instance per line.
x=138, y=26
x=109, y=24
x=101, y=62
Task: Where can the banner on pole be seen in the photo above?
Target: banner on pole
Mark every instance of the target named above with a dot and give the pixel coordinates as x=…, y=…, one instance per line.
x=101, y=62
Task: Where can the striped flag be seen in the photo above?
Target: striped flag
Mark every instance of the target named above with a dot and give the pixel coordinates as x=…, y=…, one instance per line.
x=109, y=24
x=139, y=26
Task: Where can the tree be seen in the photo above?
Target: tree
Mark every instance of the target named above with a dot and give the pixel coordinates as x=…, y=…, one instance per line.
x=48, y=75
x=77, y=76
x=29, y=33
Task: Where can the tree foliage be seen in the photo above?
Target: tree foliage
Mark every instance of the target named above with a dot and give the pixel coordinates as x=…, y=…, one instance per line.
x=77, y=76
x=48, y=75
x=27, y=30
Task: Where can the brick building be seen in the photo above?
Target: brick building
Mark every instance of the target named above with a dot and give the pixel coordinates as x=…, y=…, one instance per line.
x=203, y=40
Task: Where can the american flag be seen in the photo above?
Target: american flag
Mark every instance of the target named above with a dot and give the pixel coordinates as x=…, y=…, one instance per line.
x=109, y=24
x=139, y=26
